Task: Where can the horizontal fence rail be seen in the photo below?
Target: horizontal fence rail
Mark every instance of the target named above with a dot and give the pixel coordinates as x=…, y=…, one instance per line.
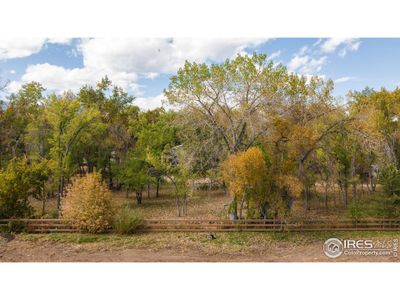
x=218, y=225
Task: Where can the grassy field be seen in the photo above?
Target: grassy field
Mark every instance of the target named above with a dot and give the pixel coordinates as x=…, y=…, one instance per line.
x=213, y=204
x=225, y=241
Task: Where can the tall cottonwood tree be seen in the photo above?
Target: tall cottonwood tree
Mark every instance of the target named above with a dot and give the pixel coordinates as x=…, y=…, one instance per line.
x=231, y=97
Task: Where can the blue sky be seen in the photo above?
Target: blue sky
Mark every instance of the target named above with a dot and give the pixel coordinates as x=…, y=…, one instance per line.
x=143, y=66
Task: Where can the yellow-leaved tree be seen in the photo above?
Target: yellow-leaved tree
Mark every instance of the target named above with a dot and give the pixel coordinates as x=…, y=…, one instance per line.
x=88, y=204
x=245, y=173
x=260, y=183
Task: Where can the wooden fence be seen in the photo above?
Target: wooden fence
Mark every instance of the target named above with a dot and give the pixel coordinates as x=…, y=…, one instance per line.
x=185, y=225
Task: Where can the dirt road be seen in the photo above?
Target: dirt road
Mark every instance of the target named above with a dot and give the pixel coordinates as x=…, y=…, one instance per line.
x=20, y=250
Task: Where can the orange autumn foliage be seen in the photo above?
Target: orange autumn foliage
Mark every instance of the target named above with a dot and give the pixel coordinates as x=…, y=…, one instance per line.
x=88, y=204
x=245, y=172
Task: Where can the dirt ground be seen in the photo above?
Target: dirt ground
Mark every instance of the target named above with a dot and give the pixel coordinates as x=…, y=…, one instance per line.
x=183, y=247
x=41, y=250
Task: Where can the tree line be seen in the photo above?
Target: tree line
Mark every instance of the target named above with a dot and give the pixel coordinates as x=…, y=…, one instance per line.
x=270, y=136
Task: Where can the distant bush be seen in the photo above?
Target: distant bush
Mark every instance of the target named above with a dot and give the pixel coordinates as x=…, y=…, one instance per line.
x=355, y=210
x=127, y=221
x=390, y=180
x=88, y=204
x=14, y=226
x=390, y=208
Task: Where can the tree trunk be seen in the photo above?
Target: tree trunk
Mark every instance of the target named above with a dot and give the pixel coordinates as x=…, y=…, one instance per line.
x=263, y=210
x=326, y=195
x=306, y=199
x=345, y=194
x=60, y=193
x=341, y=193
x=110, y=177
x=127, y=192
x=177, y=205
x=370, y=184
x=241, y=207
x=373, y=183
x=148, y=191
x=43, y=207
x=316, y=195
x=184, y=206
x=61, y=178
x=354, y=190
x=158, y=187
x=139, y=197
x=353, y=174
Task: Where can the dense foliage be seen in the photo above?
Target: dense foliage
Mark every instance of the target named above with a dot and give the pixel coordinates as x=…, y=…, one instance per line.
x=88, y=204
x=19, y=181
x=271, y=136
x=127, y=221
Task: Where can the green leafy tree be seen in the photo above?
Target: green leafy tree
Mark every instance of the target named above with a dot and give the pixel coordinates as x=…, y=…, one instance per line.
x=173, y=165
x=22, y=108
x=134, y=173
x=109, y=146
x=230, y=98
x=390, y=180
x=20, y=181
x=156, y=132
x=69, y=122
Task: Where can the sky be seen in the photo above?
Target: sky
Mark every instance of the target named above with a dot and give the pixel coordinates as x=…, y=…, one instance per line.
x=143, y=66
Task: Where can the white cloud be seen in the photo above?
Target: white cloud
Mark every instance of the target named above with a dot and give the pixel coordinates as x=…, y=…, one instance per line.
x=18, y=47
x=344, y=79
x=317, y=42
x=125, y=60
x=343, y=45
x=56, y=78
x=13, y=86
x=151, y=75
x=274, y=55
x=309, y=60
x=144, y=56
x=147, y=103
x=12, y=71
x=306, y=64
x=303, y=50
x=303, y=63
x=60, y=40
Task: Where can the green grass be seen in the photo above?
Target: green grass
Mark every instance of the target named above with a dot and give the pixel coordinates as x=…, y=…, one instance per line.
x=232, y=241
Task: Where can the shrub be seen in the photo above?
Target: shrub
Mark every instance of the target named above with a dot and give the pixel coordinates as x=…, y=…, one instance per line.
x=390, y=208
x=127, y=221
x=390, y=180
x=88, y=204
x=355, y=210
x=13, y=226
x=21, y=180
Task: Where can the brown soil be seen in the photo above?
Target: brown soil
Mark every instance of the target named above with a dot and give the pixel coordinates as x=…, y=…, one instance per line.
x=20, y=250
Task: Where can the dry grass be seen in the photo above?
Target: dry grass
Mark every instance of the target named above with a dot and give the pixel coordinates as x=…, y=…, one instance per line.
x=231, y=243
x=213, y=205
x=203, y=205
